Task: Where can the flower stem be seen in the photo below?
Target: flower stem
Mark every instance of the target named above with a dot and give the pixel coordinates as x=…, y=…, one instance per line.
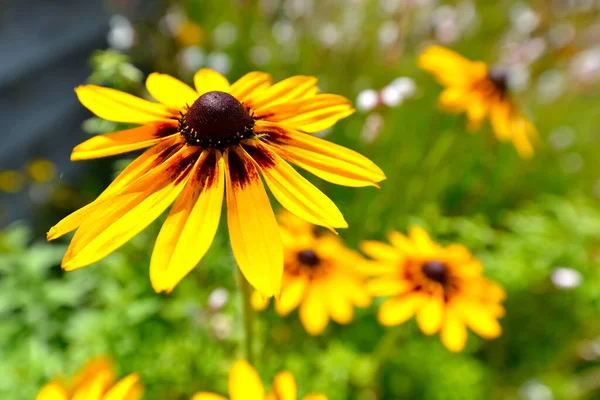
x=248, y=317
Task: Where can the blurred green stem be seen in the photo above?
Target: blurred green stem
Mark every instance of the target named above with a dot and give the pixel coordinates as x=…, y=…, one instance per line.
x=248, y=316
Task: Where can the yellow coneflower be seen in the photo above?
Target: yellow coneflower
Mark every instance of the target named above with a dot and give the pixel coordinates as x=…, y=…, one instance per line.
x=320, y=275
x=442, y=286
x=96, y=381
x=203, y=141
x=245, y=383
x=479, y=91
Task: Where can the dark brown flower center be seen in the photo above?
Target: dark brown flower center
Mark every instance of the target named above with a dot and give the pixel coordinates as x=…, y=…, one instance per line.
x=216, y=119
x=499, y=77
x=308, y=258
x=436, y=271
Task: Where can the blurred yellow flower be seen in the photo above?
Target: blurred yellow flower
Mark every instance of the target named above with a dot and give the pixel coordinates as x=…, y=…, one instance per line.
x=442, y=286
x=245, y=384
x=203, y=141
x=189, y=34
x=11, y=181
x=479, y=91
x=41, y=170
x=95, y=381
x=321, y=276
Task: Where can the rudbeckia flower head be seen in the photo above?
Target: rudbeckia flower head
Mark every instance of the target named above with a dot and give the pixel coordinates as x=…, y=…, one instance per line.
x=205, y=144
x=95, y=381
x=481, y=92
x=442, y=286
x=245, y=383
x=321, y=276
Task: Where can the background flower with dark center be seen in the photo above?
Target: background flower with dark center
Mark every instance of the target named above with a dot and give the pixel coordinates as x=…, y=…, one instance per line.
x=474, y=88
x=203, y=141
x=95, y=381
x=245, y=384
x=442, y=286
x=321, y=276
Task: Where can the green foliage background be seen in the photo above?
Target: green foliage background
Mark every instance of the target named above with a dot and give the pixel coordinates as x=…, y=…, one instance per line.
x=522, y=218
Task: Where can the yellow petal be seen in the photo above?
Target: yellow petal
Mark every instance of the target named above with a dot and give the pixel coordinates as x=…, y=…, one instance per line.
x=388, y=286
x=400, y=242
x=454, y=332
x=207, y=80
x=449, y=67
x=244, y=382
x=477, y=109
x=454, y=99
x=94, y=388
x=293, y=88
x=118, y=106
x=207, y=396
x=315, y=396
x=524, y=133
x=421, y=240
x=431, y=315
x=149, y=160
x=170, y=91
x=258, y=301
x=123, y=141
x=398, y=310
x=128, y=388
x=310, y=115
x=313, y=314
x=253, y=230
x=338, y=305
x=479, y=320
x=326, y=160
x=251, y=83
x=292, y=293
x=284, y=386
x=52, y=391
x=500, y=120
x=380, y=251
x=120, y=218
x=190, y=228
x=293, y=191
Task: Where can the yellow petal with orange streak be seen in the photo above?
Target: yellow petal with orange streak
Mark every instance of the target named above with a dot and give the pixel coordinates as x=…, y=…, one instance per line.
x=290, y=89
x=253, y=230
x=329, y=161
x=250, y=84
x=295, y=192
x=120, y=142
x=120, y=218
x=118, y=106
x=190, y=228
x=149, y=160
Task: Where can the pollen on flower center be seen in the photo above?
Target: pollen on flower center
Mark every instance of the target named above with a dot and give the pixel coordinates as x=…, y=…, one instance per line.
x=436, y=271
x=216, y=119
x=499, y=77
x=308, y=258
